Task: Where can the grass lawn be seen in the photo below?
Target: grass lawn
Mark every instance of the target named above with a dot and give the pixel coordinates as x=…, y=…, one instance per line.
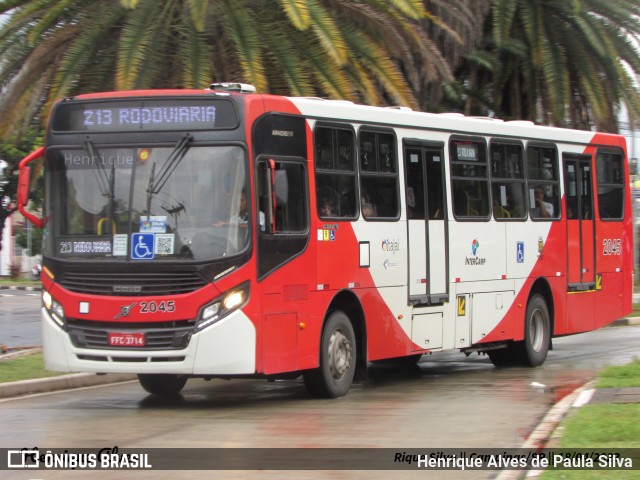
x=24, y=368
x=19, y=282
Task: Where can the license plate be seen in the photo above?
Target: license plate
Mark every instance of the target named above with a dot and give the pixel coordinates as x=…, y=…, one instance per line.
x=117, y=339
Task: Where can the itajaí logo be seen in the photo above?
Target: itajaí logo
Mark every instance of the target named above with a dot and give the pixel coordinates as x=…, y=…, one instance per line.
x=475, y=260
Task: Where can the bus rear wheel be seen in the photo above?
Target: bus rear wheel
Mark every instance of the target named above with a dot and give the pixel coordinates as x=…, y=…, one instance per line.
x=532, y=351
x=508, y=356
x=166, y=385
x=334, y=376
x=537, y=332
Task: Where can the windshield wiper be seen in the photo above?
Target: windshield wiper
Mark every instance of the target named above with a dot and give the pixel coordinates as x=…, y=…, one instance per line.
x=100, y=173
x=106, y=183
x=173, y=160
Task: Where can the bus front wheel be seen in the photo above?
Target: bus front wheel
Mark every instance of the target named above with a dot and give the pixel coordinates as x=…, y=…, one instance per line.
x=537, y=332
x=166, y=385
x=334, y=376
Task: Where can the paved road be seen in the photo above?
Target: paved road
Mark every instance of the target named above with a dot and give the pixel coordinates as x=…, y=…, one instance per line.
x=448, y=401
x=20, y=318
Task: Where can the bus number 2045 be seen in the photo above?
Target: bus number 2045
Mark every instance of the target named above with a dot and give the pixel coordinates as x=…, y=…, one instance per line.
x=612, y=246
x=153, y=307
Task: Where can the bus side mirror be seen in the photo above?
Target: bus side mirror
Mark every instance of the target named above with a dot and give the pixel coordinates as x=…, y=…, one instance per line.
x=23, y=186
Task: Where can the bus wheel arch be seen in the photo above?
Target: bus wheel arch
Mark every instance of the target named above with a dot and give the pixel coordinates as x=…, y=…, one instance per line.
x=342, y=354
x=537, y=325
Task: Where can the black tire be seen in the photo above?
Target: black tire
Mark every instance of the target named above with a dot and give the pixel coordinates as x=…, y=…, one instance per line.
x=505, y=357
x=333, y=378
x=537, y=332
x=166, y=385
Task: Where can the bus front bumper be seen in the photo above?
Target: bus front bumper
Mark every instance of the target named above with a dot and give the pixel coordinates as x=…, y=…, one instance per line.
x=227, y=347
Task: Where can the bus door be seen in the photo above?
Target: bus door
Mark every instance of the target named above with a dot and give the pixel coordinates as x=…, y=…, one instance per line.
x=578, y=181
x=427, y=223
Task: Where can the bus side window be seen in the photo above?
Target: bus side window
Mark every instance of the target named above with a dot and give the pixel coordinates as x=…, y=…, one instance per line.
x=335, y=172
x=507, y=180
x=543, y=183
x=610, y=178
x=379, y=175
x=469, y=178
x=283, y=198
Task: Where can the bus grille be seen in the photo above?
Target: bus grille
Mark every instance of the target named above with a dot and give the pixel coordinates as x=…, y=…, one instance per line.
x=158, y=335
x=132, y=284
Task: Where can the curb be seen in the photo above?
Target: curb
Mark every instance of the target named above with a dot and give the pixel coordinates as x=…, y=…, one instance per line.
x=545, y=431
x=62, y=382
x=30, y=288
x=623, y=322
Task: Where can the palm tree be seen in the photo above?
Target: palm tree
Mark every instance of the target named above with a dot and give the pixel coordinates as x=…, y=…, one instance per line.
x=457, y=34
x=561, y=63
x=351, y=49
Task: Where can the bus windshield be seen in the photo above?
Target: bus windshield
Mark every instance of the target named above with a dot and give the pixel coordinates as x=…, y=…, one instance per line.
x=131, y=203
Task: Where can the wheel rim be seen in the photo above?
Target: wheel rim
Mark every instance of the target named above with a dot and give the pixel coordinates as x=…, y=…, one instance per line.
x=339, y=355
x=536, y=330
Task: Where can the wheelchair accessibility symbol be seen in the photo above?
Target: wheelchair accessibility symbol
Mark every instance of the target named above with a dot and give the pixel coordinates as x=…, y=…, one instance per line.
x=520, y=252
x=142, y=246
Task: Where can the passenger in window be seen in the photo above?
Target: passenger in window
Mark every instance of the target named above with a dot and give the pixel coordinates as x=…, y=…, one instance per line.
x=542, y=209
x=327, y=208
x=368, y=209
x=242, y=217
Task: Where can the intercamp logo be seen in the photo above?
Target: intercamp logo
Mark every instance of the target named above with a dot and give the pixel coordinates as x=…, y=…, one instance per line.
x=475, y=260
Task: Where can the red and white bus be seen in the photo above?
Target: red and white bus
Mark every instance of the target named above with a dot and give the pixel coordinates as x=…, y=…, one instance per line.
x=229, y=234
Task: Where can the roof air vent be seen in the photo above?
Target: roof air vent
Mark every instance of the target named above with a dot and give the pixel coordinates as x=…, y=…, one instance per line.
x=233, y=87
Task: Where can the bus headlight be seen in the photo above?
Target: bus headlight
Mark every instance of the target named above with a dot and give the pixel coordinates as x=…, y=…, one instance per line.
x=222, y=306
x=54, y=308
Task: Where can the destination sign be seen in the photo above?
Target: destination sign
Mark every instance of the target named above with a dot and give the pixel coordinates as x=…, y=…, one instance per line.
x=466, y=151
x=157, y=114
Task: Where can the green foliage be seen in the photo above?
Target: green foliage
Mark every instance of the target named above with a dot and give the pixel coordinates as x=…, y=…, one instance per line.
x=57, y=48
x=36, y=240
x=563, y=63
x=573, y=63
x=11, y=152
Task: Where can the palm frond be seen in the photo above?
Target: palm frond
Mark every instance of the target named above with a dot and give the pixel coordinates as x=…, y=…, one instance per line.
x=243, y=29
x=198, y=13
x=194, y=59
x=137, y=44
x=327, y=33
x=297, y=12
x=50, y=18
